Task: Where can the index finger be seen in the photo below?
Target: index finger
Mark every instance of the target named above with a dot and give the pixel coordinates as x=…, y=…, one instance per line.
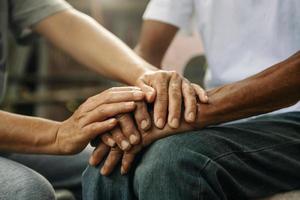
x=127, y=162
x=111, y=97
x=98, y=154
x=111, y=161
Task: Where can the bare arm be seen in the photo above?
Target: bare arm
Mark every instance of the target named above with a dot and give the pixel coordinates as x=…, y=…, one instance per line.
x=155, y=39
x=272, y=89
x=89, y=43
x=24, y=134
x=275, y=88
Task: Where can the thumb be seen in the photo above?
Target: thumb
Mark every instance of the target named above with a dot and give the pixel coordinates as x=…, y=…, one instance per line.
x=148, y=90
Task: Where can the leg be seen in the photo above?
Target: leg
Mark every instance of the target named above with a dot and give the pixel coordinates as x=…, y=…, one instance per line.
x=20, y=182
x=238, y=161
x=113, y=187
x=63, y=172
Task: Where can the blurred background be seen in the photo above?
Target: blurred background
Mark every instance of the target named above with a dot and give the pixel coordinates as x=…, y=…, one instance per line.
x=45, y=82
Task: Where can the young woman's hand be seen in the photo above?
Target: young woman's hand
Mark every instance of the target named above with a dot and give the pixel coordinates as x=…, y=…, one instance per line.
x=95, y=117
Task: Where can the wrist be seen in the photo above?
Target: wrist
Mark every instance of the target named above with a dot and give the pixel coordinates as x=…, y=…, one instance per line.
x=45, y=142
x=206, y=116
x=143, y=69
x=53, y=146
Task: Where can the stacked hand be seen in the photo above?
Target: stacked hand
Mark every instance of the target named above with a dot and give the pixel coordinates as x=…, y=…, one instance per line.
x=116, y=154
x=166, y=92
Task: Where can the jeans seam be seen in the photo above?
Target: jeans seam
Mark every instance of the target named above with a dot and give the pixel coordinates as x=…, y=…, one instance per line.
x=199, y=179
x=255, y=151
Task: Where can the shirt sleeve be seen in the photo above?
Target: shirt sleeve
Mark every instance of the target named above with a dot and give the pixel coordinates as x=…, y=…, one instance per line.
x=26, y=13
x=175, y=12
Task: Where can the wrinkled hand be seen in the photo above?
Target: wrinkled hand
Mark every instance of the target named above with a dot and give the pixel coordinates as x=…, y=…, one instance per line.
x=127, y=134
x=116, y=154
x=95, y=117
x=167, y=89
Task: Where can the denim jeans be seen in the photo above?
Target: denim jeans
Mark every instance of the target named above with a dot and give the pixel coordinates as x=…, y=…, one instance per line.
x=33, y=177
x=246, y=160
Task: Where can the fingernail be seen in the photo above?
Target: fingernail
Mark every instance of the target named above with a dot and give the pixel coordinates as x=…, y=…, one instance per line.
x=91, y=161
x=191, y=116
x=160, y=123
x=124, y=144
x=144, y=124
x=111, y=142
x=138, y=94
x=112, y=121
x=133, y=139
x=102, y=171
x=122, y=170
x=129, y=104
x=206, y=98
x=175, y=123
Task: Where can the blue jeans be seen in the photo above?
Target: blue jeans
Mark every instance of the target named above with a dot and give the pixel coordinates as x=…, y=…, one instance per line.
x=245, y=160
x=30, y=177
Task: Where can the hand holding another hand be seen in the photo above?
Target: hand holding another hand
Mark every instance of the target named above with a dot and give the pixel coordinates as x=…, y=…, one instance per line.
x=168, y=91
x=117, y=155
x=95, y=117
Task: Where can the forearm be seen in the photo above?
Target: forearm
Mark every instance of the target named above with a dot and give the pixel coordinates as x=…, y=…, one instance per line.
x=90, y=44
x=275, y=88
x=22, y=134
x=154, y=41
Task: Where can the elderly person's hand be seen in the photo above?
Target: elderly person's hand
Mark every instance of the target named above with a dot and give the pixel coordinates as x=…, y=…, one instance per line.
x=95, y=117
x=168, y=90
x=127, y=133
x=116, y=155
x=147, y=137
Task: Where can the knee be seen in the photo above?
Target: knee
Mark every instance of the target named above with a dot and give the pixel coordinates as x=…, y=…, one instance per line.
x=33, y=186
x=169, y=159
x=90, y=178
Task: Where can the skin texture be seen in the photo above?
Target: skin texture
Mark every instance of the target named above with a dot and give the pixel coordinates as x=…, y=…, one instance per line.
x=281, y=84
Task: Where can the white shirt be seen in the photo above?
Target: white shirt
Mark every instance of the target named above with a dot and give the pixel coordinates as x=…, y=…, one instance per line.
x=240, y=37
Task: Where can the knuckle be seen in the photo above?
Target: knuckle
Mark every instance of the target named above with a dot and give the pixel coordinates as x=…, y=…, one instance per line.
x=94, y=127
x=79, y=115
x=117, y=136
x=123, y=118
x=174, y=74
x=163, y=75
x=191, y=91
x=175, y=86
x=101, y=111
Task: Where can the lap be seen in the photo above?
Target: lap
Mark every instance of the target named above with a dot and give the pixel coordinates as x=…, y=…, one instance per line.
x=19, y=182
x=61, y=171
x=257, y=157
x=249, y=159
